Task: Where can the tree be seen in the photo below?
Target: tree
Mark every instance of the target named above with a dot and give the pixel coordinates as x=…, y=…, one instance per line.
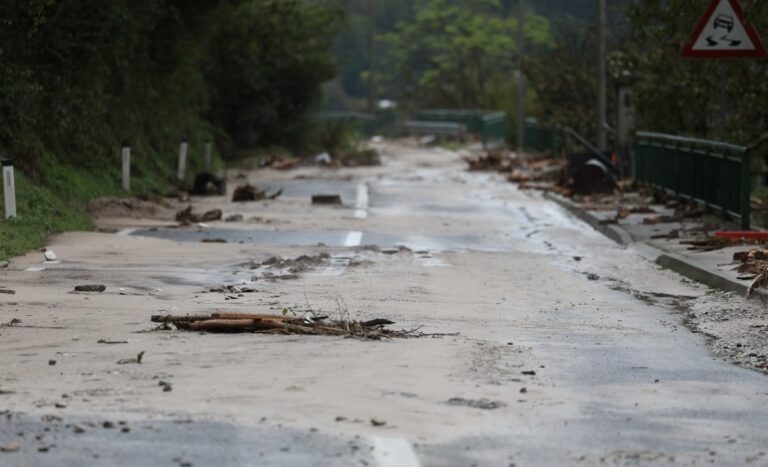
x=455, y=55
x=268, y=59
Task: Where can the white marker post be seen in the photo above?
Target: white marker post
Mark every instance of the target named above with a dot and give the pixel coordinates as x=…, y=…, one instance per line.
x=181, y=173
x=9, y=189
x=126, y=166
x=208, y=154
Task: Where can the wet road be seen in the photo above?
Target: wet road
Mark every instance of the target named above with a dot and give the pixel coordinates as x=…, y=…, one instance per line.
x=580, y=344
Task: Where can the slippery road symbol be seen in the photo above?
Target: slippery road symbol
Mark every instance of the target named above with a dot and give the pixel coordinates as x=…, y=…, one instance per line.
x=711, y=42
x=722, y=32
x=722, y=22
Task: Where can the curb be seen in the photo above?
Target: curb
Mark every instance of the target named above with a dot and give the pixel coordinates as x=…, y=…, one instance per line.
x=671, y=261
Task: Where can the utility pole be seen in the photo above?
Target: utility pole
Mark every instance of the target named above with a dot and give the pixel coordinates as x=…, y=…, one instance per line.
x=371, y=55
x=602, y=92
x=520, y=76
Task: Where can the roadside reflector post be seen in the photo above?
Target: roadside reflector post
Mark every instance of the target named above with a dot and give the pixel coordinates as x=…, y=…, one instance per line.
x=181, y=173
x=9, y=189
x=126, y=152
x=207, y=155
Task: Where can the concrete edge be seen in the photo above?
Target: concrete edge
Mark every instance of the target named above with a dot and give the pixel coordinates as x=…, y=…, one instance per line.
x=612, y=231
x=671, y=261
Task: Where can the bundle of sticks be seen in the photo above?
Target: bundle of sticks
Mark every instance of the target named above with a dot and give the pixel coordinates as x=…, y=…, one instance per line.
x=279, y=324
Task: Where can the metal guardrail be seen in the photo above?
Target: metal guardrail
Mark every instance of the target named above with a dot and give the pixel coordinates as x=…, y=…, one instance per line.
x=490, y=126
x=540, y=137
x=712, y=173
x=415, y=127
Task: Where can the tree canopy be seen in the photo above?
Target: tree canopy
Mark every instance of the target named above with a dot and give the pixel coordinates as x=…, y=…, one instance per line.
x=79, y=76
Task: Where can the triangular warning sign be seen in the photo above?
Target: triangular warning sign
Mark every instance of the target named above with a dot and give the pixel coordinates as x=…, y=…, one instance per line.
x=723, y=33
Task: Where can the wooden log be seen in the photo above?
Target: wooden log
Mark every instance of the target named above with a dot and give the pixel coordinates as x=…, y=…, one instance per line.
x=260, y=317
x=267, y=325
x=223, y=325
x=179, y=319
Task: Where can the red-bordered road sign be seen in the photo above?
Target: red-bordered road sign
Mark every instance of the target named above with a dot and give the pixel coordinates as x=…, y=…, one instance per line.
x=724, y=33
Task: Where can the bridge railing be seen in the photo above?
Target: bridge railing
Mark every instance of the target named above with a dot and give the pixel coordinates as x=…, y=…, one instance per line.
x=489, y=126
x=715, y=174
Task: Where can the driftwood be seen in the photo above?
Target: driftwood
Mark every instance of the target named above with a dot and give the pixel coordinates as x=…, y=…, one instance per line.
x=759, y=280
x=279, y=324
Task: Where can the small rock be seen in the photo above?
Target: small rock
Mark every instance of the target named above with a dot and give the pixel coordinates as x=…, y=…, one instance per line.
x=529, y=373
x=49, y=255
x=90, y=288
x=126, y=429
x=4, y=264
x=78, y=429
x=10, y=447
x=167, y=388
x=60, y=405
x=234, y=218
x=107, y=424
x=376, y=422
x=326, y=199
x=523, y=390
x=51, y=362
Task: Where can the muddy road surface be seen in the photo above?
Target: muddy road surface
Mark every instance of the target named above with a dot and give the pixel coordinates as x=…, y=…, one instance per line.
x=547, y=344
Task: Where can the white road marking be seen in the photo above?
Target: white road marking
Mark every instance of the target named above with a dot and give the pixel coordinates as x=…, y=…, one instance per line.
x=126, y=232
x=394, y=452
x=361, y=206
x=353, y=238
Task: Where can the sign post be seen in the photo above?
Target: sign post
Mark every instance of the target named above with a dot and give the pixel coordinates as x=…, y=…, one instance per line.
x=126, y=153
x=9, y=189
x=181, y=172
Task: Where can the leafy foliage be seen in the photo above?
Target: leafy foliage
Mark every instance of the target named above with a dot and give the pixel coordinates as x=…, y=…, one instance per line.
x=450, y=55
x=78, y=77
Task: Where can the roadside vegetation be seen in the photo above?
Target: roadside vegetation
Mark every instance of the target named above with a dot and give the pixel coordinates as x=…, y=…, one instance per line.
x=79, y=77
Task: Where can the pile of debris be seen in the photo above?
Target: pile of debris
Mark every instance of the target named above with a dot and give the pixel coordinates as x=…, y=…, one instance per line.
x=538, y=169
x=249, y=192
x=276, y=268
x=753, y=265
x=188, y=216
x=492, y=161
x=278, y=324
x=539, y=172
x=280, y=162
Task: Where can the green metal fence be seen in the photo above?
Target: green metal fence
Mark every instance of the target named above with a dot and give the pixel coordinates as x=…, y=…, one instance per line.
x=715, y=174
x=540, y=138
x=490, y=126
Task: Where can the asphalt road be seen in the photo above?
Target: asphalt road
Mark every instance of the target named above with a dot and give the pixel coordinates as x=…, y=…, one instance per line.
x=570, y=350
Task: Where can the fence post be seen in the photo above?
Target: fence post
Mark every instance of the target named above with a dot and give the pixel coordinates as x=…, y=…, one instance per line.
x=207, y=155
x=9, y=189
x=181, y=172
x=746, y=190
x=126, y=153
